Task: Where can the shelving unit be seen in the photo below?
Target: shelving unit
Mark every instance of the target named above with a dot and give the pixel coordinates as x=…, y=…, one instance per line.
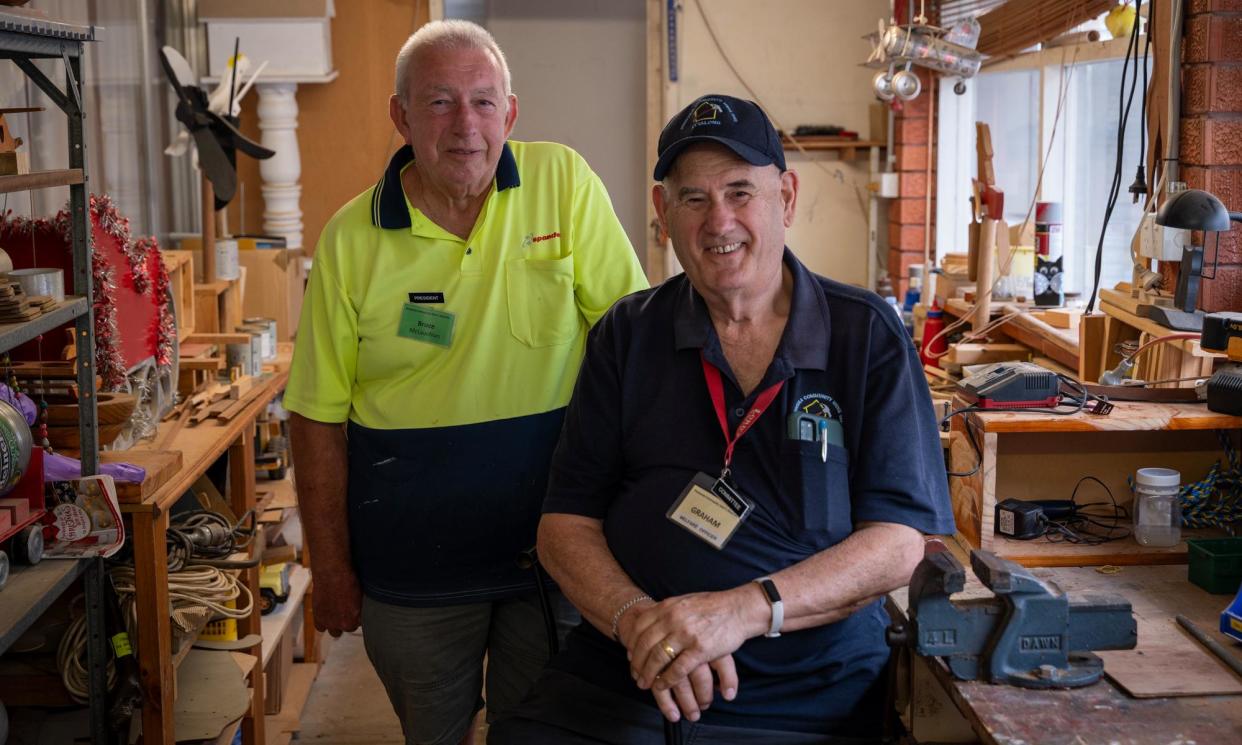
x=31, y=590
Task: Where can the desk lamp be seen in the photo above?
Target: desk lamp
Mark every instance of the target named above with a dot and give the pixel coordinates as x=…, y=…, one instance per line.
x=1192, y=209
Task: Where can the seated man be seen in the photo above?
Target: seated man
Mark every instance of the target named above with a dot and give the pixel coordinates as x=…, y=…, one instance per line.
x=749, y=462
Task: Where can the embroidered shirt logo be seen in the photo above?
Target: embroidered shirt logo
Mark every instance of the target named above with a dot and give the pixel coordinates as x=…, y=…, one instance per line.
x=532, y=239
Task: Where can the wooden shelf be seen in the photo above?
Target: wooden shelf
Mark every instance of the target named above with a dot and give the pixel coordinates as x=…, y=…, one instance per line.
x=848, y=149
x=276, y=623
x=30, y=591
x=41, y=180
x=13, y=334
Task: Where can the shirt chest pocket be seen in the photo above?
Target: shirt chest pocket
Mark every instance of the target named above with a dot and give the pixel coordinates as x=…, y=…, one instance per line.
x=542, y=310
x=816, y=490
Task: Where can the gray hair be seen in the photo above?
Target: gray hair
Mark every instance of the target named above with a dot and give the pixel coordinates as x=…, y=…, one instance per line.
x=452, y=34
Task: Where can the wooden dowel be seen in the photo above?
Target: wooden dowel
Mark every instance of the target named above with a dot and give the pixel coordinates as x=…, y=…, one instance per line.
x=209, y=232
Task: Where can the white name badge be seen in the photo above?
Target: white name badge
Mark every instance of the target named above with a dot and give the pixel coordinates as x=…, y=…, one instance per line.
x=710, y=509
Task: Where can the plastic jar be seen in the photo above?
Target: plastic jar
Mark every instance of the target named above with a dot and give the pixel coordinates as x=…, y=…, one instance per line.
x=1157, y=507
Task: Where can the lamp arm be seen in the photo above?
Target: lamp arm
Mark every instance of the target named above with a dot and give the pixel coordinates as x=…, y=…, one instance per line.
x=1235, y=216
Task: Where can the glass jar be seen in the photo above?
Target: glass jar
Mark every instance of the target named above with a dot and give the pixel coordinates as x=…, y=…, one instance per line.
x=1157, y=507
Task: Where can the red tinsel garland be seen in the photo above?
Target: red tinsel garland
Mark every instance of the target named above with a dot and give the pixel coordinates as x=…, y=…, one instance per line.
x=108, y=359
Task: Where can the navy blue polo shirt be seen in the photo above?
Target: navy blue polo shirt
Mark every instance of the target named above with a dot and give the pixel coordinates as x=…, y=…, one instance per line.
x=641, y=424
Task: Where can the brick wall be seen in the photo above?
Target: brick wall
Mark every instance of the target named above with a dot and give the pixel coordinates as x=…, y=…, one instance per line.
x=907, y=214
x=1211, y=132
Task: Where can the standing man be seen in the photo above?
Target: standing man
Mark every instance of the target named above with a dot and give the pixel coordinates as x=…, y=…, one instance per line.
x=749, y=462
x=443, y=326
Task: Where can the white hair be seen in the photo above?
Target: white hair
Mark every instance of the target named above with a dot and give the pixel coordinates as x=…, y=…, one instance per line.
x=452, y=34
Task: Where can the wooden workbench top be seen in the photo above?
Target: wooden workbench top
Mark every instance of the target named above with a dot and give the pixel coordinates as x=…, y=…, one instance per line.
x=202, y=444
x=1126, y=416
x=1104, y=712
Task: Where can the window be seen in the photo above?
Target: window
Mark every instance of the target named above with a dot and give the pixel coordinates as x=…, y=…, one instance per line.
x=1018, y=100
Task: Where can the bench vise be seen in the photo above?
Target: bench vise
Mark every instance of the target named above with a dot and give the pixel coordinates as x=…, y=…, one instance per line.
x=1025, y=635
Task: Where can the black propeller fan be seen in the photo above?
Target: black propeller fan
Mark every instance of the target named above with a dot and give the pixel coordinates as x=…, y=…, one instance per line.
x=216, y=136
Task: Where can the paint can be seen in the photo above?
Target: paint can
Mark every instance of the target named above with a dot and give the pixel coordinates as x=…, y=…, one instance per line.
x=238, y=355
x=268, y=327
x=228, y=264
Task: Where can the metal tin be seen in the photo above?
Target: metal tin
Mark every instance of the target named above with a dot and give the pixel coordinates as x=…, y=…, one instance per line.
x=239, y=356
x=228, y=264
x=268, y=325
x=45, y=282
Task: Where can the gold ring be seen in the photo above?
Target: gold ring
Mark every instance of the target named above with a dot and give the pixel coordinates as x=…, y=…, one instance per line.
x=668, y=650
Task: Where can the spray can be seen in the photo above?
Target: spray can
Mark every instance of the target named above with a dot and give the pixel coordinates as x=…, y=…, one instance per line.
x=1048, y=285
x=931, y=329
x=913, y=292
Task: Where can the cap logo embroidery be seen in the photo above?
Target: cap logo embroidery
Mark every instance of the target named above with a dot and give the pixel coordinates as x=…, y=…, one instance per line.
x=708, y=113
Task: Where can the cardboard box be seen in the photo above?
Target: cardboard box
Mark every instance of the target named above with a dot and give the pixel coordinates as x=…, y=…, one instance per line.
x=293, y=35
x=274, y=285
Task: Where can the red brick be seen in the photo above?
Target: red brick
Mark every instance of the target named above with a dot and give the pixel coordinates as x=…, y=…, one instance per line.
x=1226, y=183
x=911, y=131
x=1211, y=142
x=912, y=210
x=1222, y=180
x=1213, y=38
x=1212, y=89
x=1224, y=292
x=1196, y=7
x=899, y=263
x=906, y=237
x=1194, y=176
x=913, y=184
x=912, y=157
x=1230, y=248
x=917, y=108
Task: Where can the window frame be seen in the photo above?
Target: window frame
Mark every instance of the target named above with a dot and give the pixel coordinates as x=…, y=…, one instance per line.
x=955, y=145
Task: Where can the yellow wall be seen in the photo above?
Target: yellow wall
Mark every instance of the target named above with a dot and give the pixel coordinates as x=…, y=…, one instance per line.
x=343, y=127
x=802, y=58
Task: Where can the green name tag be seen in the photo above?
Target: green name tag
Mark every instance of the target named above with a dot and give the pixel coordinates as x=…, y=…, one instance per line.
x=424, y=324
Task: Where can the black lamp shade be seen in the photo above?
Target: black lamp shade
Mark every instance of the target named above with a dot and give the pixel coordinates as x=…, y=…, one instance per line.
x=1194, y=209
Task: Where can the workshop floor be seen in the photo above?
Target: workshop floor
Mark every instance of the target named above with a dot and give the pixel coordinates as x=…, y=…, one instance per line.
x=348, y=705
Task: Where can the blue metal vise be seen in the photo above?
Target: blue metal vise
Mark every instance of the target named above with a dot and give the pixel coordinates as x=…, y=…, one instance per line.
x=1025, y=635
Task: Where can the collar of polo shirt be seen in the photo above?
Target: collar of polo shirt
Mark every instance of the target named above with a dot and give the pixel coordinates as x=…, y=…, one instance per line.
x=388, y=208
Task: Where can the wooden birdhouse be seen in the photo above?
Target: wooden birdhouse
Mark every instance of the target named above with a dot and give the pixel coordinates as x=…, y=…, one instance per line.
x=12, y=160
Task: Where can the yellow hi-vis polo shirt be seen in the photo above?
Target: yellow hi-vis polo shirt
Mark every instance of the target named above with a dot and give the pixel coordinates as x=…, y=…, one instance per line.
x=547, y=256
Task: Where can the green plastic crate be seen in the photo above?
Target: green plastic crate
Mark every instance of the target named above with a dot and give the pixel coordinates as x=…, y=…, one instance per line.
x=1216, y=564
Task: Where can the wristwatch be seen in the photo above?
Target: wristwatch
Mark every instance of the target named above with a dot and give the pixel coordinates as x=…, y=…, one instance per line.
x=774, y=600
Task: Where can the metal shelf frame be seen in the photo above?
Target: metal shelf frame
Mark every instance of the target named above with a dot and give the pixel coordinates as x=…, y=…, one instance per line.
x=22, y=40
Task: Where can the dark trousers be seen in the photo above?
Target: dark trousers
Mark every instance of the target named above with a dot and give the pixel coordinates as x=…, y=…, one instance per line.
x=566, y=710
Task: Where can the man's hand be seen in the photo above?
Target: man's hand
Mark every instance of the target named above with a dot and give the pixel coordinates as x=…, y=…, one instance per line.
x=669, y=640
x=694, y=695
x=337, y=600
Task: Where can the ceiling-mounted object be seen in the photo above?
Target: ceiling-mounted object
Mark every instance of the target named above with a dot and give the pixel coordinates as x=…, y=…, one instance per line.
x=215, y=136
x=896, y=49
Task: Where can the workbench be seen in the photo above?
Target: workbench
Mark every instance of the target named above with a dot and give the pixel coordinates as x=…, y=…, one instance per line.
x=198, y=447
x=1042, y=456
x=1166, y=660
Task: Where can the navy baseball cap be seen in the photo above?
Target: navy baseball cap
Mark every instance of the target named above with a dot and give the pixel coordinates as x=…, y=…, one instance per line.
x=739, y=125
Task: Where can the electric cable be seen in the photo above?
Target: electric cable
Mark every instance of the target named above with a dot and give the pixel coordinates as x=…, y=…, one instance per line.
x=1080, y=526
x=1123, y=108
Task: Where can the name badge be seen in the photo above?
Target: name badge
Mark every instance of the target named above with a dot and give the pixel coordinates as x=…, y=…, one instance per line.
x=710, y=509
x=425, y=324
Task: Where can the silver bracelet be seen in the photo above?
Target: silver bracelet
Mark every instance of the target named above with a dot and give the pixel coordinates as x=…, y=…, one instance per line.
x=616, y=617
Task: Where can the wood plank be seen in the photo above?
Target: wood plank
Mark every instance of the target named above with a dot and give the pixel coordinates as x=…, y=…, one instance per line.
x=41, y=180
x=207, y=364
x=1126, y=416
x=29, y=592
x=161, y=465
